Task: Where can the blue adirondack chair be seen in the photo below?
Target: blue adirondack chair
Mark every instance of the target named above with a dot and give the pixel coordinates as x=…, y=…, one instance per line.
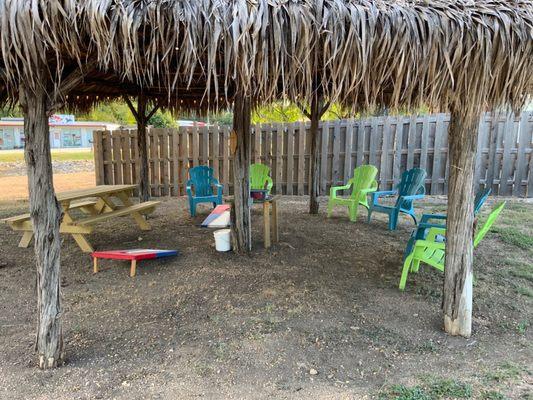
x=203, y=182
x=423, y=227
x=410, y=188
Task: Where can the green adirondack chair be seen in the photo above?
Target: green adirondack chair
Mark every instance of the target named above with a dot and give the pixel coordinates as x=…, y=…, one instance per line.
x=260, y=177
x=431, y=252
x=362, y=183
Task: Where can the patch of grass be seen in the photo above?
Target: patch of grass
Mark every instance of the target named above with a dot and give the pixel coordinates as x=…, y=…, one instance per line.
x=525, y=291
x=504, y=372
x=522, y=270
x=522, y=326
x=432, y=389
x=515, y=237
x=57, y=155
x=492, y=395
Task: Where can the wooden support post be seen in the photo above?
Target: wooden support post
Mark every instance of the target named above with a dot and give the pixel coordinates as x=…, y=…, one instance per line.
x=133, y=268
x=457, y=294
x=46, y=217
x=241, y=149
x=95, y=265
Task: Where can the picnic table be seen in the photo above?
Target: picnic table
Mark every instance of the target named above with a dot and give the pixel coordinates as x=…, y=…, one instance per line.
x=97, y=204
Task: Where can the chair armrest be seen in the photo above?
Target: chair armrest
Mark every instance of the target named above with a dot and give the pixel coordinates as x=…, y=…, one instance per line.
x=412, y=197
x=334, y=189
x=434, y=232
x=377, y=195
x=217, y=184
x=189, y=187
x=426, y=217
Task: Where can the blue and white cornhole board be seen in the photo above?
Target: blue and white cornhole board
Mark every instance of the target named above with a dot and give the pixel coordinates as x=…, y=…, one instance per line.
x=219, y=217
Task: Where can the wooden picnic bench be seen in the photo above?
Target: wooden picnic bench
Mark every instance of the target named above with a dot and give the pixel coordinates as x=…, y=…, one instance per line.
x=96, y=204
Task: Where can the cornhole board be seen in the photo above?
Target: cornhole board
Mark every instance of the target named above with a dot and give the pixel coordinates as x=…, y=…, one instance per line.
x=219, y=217
x=134, y=255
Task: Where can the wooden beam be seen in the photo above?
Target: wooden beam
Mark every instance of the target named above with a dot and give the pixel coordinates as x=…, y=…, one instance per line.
x=46, y=217
x=241, y=149
x=458, y=274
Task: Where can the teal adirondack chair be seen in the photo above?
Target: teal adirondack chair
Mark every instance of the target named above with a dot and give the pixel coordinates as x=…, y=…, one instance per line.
x=260, y=177
x=362, y=183
x=202, y=182
x=410, y=188
x=431, y=251
x=424, y=225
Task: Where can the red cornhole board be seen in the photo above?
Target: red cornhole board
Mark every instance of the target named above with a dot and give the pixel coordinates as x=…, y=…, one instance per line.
x=133, y=255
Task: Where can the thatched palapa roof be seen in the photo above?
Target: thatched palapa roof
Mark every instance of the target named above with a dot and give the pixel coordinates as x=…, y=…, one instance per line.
x=461, y=54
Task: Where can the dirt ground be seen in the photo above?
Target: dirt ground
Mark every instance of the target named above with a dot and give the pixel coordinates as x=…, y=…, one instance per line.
x=319, y=316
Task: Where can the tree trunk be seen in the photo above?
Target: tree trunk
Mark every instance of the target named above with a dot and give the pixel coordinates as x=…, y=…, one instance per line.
x=314, y=190
x=144, y=180
x=46, y=215
x=457, y=293
x=241, y=228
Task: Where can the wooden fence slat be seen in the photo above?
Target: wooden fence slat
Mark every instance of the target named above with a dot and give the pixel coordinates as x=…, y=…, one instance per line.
x=164, y=163
x=324, y=135
x=98, y=157
x=481, y=137
x=493, y=145
x=290, y=158
x=335, y=166
x=373, y=145
x=411, y=141
x=195, y=145
x=135, y=150
x=383, y=168
x=301, y=158
x=225, y=161
x=175, y=163
x=117, y=157
x=268, y=144
x=360, y=142
x=424, y=142
x=278, y=180
x=257, y=143
x=397, y=160
x=437, y=154
x=509, y=141
x=126, y=156
x=184, y=158
x=348, y=151
x=521, y=161
x=215, y=150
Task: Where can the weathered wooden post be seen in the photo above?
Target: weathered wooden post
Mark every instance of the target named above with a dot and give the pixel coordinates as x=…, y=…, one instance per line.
x=457, y=292
x=46, y=215
x=241, y=150
x=142, y=118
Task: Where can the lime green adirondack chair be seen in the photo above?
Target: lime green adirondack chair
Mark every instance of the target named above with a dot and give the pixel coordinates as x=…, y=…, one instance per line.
x=431, y=252
x=362, y=183
x=259, y=177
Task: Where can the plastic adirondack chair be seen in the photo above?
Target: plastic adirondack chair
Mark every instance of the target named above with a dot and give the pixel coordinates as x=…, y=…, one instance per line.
x=259, y=177
x=424, y=225
x=431, y=251
x=362, y=183
x=203, y=181
x=410, y=188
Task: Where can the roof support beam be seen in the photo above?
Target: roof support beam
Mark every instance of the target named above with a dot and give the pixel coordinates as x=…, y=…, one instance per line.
x=458, y=274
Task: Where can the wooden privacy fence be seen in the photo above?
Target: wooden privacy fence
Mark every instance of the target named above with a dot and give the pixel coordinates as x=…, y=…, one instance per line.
x=504, y=159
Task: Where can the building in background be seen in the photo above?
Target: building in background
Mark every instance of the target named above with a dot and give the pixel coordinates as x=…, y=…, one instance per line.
x=65, y=132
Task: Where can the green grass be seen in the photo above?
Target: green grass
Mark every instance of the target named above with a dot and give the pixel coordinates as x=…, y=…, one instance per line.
x=525, y=291
x=504, y=372
x=57, y=155
x=431, y=389
x=515, y=237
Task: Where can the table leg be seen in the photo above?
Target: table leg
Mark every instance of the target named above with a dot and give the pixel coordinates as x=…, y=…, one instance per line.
x=80, y=239
x=95, y=265
x=275, y=226
x=26, y=239
x=266, y=223
x=139, y=219
x=133, y=268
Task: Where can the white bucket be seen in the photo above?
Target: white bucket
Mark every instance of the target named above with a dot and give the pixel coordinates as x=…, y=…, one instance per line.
x=223, y=239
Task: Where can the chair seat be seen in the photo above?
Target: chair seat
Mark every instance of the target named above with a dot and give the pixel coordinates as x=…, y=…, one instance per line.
x=433, y=257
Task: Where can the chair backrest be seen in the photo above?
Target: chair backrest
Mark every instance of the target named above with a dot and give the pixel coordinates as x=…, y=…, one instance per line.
x=412, y=183
x=258, y=176
x=481, y=197
x=202, y=177
x=488, y=223
x=363, y=177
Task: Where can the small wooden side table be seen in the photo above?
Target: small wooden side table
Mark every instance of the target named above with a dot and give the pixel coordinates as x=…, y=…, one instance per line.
x=270, y=220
